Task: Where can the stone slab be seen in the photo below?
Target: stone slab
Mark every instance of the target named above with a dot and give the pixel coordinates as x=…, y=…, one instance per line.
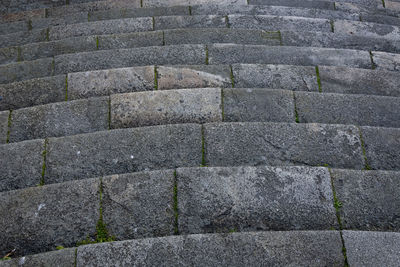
x=64, y=257
x=41, y=218
x=123, y=151
x=21, y=38
x=21, y=165
x=257, y=104
x=4, y=126
x=372, y=248
x=282, y=144
x=382, y=147
x=32, y=92
x=177, y=22
x=112, y=81
x=368, y=29
x=26, y=70
x=254, y=198
x=304, y=3
x=369, y=199
x=296, y=78
x=67, y=19
x=8, y=55
x=386, y=61
x=60, y=119
x=237, y=249
x=139, y=205
x=166, y=107
x=130, y=40
x=168, y=3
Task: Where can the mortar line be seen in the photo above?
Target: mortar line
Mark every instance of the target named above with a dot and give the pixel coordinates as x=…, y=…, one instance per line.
x=9, y=122
x=175, y=199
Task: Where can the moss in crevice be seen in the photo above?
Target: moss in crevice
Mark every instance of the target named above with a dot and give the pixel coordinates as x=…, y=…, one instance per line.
x=163, y=38
x=203, y=148
x=332, y=25
x=154, y=23
x=190, y=10
x=175, y=198
x=359, y=17
x=30, y=25
x=232, y=77
x=44, y=156
x=207, y=55
x=222, y=105
x=88, y=16
x=155, y=78
x=48, y=34
x=109, y=113
x=66, y=87
x=97, y=42
x=371, y=56
x=19, y=54
x=141, y=3
x=334, y=6
x=296, y=114
x=383, y=3
x=227, y=21
x=318, y=79
x=364, y=151
x=75, y=257
x=9, y=122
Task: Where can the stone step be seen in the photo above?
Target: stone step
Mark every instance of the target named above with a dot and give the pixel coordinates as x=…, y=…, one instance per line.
x=82, y=85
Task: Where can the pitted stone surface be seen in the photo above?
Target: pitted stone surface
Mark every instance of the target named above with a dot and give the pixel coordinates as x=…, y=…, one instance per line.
x=372, y=248
x=180, y=77
x=123, y=151
x=64, y=257
x=246, y=104
x=130, y=40
x=166, y=107
x=21, y=38
x=296, y=78
x=139, y=205
x=8, y=55
x=21, y=164
x=176, y=22
x=60, y=119
x=282, y=144
x=168, y=3
x=112, y=81
x=4, y=115
x=304, y=3
x=237, y=249
x=254, y=198
x=368, y=29
x=41, y=218
x=26, y=70
x=382, y=146
x=370, y=199
x=386, y=61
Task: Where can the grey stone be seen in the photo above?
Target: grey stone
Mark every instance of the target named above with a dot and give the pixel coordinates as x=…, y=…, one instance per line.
x=369, y=199
x=139, y=205
x=296, y=78
x=282, y=144
x=305, y=3
x=372, y=248
x=176, y=22
x=130, y=40
x=107, y=59
x=382, y=19
x=254, y=198
x=274, y=23
x=3, y=126
x=168, y=3
x=359, y=81
x=54, y=48
x=202, y=76
x=32, y=92
x=21, y=38
x=71, y=18
x=258, y=105
x=23, y=15
x=365, y=110
x=220, y=35
x=101, y=27
x=26, y=70
x=64, y=257
x=386, y=61
x=382, y=147
x=60, y=119
x=166, y=107
x=112, y=81
x=123, y=151
x=21, y=165
x=41, y=218
x=304, y=56
x=393, y=6
x=297, y=248
x=8, y=55
x=368, y=29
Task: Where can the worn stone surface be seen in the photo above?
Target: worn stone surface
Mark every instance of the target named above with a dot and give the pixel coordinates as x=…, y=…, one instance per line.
x=41, y=218
x=178, y=77
x=282, y=144
x=365, y=110
x=305, y=3
x=3, y=126
x=166, y=107
x=274, y=23
x=372, y=248
x=296, y=78
x=64, y=257
x=112, y=81
x=107, y=59
x=21, y=38
x=370, y=199
x=258, y=105
x=60, y=119
x=139, y=205
x=386, y=61
x=304, y=56
x=8, y=55
x=168, y=3
x=71, y=18
x=32, y=92
x=201, y=21
x=254, y=198
x=21, y=165
x=382, y=147
x=220, y=35
x=123, y=151
x=23, y=15
x=130, y=40
x=359, y=81
x=368, y=29
x=26, y=70
x=54, y=48
x=101, y=27
x=237, y=249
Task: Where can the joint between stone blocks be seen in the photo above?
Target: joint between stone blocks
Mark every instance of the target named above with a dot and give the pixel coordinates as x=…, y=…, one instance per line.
x=44, y=156
x=332, y=25
x=366, y=164
x=66, y=87
x=296, y=114
x=155, y=78
x=9, y=122
x=222, y=105
x=190, y=10
x=109, y=112
x=371, y=56
x=318, y=79
x=175, y=204
x=227, y=21
x=232, y=76
x=207, y=55
x=203, y=147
